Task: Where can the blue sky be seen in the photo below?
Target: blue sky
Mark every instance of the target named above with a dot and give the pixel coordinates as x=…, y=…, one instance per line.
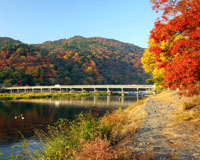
x=36, y=21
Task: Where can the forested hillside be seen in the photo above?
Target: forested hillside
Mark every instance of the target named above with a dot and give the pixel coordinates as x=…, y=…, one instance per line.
x=77, y=60
x=7, y=41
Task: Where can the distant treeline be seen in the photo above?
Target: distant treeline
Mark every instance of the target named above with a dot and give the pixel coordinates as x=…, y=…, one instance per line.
x=77, y=60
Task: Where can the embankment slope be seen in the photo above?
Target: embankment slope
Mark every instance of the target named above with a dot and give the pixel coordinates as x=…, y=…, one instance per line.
x=167, y=131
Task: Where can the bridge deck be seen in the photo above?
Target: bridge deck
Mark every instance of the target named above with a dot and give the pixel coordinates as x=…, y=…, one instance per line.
x=84, y=87
x=72, y=88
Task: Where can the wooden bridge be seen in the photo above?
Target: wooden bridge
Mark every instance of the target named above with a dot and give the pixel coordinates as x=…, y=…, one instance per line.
x=80, y=88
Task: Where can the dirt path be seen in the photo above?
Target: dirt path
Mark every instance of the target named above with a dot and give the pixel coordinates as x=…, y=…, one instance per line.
x=160, y=137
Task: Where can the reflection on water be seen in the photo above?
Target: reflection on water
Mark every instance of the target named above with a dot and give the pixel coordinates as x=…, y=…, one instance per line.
x=109, y=101
x=22, y=117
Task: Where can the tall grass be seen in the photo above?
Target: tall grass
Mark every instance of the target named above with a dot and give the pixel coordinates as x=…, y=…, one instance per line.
x=190, y=110
x=85, y=138
x=194, y=102
x=64, y=138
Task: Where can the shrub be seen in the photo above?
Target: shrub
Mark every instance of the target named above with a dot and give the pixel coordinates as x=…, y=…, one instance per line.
x=102, y=149
x=194, y=102
x=65, y=138
x=86, y=138
x=188, y=106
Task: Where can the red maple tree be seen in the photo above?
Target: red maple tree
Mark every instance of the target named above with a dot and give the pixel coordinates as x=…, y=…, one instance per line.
x=179, y=28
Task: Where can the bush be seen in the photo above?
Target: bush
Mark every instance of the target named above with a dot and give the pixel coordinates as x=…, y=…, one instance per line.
x=65, y=138
x=85, y=138
x=194, y=102
x=188, y=106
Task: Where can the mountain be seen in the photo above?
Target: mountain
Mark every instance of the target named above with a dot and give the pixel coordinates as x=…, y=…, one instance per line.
x=7, y=41
x=76, y=60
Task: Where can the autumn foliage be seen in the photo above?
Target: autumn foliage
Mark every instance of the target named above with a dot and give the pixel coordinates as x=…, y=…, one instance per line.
x=179, y=30
x=77, y=60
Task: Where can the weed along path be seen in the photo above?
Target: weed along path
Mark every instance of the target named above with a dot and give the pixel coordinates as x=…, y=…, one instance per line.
x=162, y=136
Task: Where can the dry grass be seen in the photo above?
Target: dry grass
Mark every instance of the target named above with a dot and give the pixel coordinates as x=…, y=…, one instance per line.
x=135, y=114
x=190, y=115
x=109, y=138
x=189, y=110
x=100, y=149
x=115, y=133
x=125, y=122
x=192, y=103
x=119, y=129
x=113, y=125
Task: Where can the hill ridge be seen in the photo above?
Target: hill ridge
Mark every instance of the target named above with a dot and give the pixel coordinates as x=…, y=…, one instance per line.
x=77, y=60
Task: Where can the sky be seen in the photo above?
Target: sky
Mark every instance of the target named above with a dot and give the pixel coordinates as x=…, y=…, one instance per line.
x=37, y=21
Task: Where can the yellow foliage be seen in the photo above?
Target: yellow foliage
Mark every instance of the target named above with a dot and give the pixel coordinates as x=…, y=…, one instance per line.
x=148, y=61
x=156, y=72
x=150, y=65
x=157, y=77
x=76, y=54
x=92, y=63
x=65, y=56
x=89, y=69
x=179, y=37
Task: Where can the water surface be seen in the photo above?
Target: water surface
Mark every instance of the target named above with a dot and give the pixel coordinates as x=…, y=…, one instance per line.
x=19, y=119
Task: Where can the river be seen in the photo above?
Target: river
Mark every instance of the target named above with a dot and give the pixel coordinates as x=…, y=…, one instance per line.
x=19, y=119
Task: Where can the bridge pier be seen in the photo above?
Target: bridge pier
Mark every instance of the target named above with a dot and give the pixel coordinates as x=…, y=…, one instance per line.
x=137, y=91
x=109, y=91
x=71, y=90
x=122, y=90
x=83, y=90
x=95, y=90
x=137, y=94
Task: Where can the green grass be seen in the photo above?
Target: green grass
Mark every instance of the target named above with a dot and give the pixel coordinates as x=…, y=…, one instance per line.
x=85, y=138
x=65, y=138
x=17, y=96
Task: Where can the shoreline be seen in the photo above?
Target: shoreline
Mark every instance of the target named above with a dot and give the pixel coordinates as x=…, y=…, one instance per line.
x=154, y=127
x=45, y=95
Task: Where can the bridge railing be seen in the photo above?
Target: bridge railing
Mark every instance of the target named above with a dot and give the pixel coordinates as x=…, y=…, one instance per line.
x=83, y=88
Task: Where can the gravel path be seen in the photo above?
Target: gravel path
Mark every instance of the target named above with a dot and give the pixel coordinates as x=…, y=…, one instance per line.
x=159, y=139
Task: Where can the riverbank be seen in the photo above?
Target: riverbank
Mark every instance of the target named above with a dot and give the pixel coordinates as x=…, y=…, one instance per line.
x=165, y=126
x=17, y=96
x=106, y=138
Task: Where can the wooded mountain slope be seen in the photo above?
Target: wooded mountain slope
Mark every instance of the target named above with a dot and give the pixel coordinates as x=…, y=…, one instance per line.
x=77, y=60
